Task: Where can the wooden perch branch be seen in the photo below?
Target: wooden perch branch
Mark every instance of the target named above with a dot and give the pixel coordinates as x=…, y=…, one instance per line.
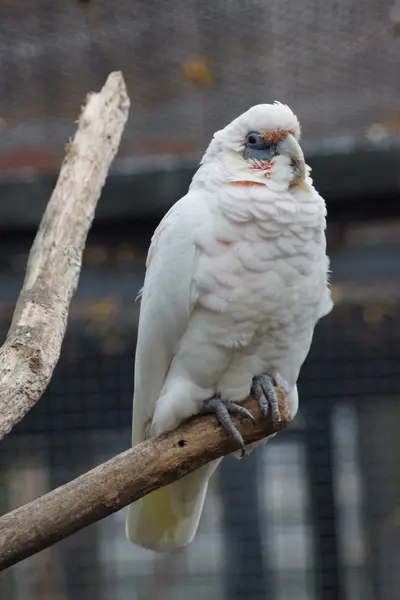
x=122, y=480
x=32, y=347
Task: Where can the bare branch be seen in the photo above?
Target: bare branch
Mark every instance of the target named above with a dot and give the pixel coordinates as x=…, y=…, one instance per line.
x=32, y=347
x=122, y=480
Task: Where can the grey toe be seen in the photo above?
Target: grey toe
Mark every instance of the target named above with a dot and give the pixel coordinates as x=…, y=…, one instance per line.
x=223, y=410
x=266, y=396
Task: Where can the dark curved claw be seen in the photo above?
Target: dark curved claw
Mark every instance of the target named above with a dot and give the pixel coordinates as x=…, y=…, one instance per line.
x=223, y=409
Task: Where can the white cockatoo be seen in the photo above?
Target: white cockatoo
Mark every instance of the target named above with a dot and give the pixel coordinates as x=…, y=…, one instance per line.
x=237, y=278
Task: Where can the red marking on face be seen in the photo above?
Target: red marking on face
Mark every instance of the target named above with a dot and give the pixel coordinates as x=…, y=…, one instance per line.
x=264, y=166
x=274, y=137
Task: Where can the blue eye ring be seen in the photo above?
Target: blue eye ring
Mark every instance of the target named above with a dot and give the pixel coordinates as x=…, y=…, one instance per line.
x=255, y=141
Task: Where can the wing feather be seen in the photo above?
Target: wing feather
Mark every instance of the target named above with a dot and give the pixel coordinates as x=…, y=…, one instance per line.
x=167, y=300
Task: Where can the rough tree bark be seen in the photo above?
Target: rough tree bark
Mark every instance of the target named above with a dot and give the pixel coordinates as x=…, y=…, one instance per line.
x=33, y=344
x=122, y=480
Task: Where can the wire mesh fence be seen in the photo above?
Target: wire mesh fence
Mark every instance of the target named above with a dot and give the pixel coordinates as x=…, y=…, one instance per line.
x=191, y=66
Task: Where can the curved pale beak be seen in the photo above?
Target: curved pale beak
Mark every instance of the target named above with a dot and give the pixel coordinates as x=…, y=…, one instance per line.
x=290, y=147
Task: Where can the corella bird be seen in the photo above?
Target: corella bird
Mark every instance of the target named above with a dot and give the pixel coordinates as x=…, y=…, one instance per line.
x=237, y=278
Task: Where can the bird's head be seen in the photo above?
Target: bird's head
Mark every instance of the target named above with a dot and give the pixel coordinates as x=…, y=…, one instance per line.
x=260, y=145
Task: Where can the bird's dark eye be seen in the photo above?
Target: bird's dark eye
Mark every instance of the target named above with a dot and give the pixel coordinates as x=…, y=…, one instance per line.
x=255, y=141
x=256, y=148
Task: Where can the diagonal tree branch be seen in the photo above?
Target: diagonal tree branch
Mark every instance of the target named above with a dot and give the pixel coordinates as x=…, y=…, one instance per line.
x=32, y=348
x=122, y=480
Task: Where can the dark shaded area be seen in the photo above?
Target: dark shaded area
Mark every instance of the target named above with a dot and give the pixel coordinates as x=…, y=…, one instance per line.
x=85, y=416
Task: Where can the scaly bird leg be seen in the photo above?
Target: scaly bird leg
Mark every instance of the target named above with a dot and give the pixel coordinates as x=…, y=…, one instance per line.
x=223, y=409
x=265, y=394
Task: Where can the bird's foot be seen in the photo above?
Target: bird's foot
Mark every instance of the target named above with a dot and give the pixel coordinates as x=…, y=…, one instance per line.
x=266, y=396
x=223, y=409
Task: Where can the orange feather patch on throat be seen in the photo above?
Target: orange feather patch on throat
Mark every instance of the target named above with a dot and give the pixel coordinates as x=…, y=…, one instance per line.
x=247, y=183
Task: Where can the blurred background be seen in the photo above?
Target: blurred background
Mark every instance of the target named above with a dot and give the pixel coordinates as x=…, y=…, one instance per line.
x=315, y=515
